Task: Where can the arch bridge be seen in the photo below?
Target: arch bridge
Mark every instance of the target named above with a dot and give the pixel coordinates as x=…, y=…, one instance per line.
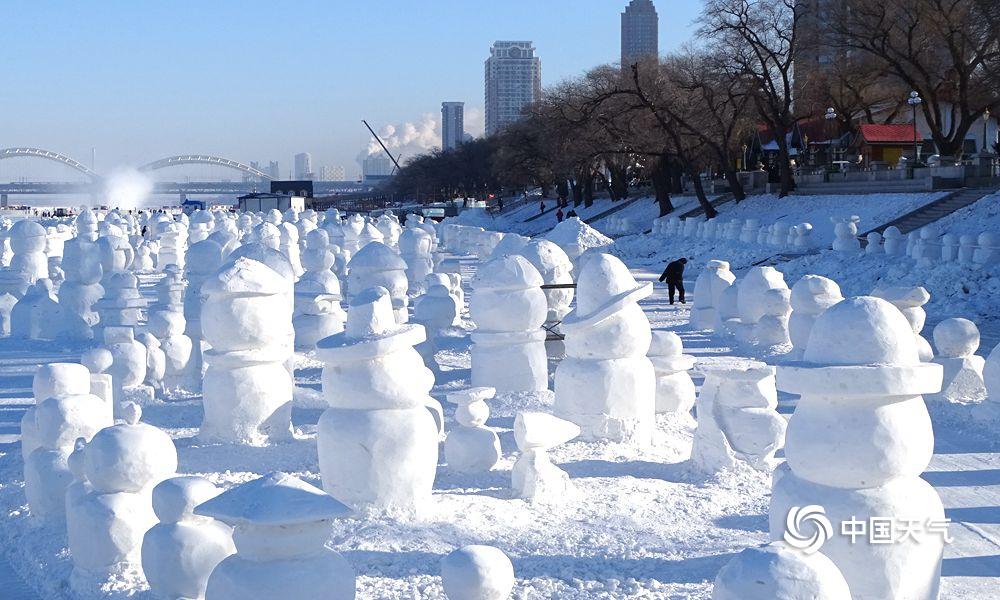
x=203, y=159
x=48, y=155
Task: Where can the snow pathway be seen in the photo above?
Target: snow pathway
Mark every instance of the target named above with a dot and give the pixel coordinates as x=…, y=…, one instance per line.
x=642, y=525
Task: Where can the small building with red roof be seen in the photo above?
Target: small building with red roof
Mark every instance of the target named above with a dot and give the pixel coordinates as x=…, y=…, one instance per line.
x=886, y=143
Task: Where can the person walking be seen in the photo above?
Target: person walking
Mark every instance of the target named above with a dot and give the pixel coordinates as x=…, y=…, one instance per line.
x=541, y=207
x=673, y=275
x=559, y=216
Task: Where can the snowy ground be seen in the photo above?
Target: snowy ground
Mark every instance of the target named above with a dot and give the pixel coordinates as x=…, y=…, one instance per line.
x=642, y=525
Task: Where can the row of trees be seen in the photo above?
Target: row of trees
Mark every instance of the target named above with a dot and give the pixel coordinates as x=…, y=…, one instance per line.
x=760, y=65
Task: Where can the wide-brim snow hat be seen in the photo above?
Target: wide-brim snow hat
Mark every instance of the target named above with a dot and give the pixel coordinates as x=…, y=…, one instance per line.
x=371, y=330
x=604, y=288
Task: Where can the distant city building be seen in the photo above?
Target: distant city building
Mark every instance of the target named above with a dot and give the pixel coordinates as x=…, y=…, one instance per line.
x=375, y=168
x=273, y=170
x=303, y=166
x=452, y=124
x=640, y=31
x=332, y=173
x=513, y=81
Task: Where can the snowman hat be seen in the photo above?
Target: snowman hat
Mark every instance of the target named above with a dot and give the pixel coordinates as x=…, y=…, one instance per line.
x=371, y=330
x=605, y=286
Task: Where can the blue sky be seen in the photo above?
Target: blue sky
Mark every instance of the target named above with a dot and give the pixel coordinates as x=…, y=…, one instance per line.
x=256, y=80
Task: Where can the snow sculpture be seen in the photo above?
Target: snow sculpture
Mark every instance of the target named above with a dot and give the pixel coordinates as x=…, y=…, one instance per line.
x=376, y=265
x=606, y=384
x=156, y=362
x=247, y=320
x=352, y=228
x=168, y=327
x=956, y=341
x=533, y=476
x=910, y=301
x=370, y=233
x=708, y=290
x=779, y=572
x=752, y=299
x=987, y=251
x=477, y=573
x=390, y=229
x=803, y=236
x=122, y=303
x=170, y=291
x=281, y=525
x=28, y=264
x=860, y=388
x=895, y=244
x=180, y=552
x=576, y=237
x=106, y=525
x=779, y=234
x=436, y=311
x=472, y=447
x=509, y=308
x=811, y=295
x=966, y=249
x=128, y=367
x=874, y=245
x=37, y=316
x=675, y=391
x=202, y=261
x=772, y=328
x=49, y=429
x=415, y=250
x=930, y=245
x=377, y=442
x=748, y=234
x=737, y=419
x=82, y=265
x=512, y=243
x=556, y=268
x=846, y=231
x=289, y=246
x=200, y=226
x=173, y=239
x=949, y=247
x=98, y=361
x=317, y=311
x=486, y=242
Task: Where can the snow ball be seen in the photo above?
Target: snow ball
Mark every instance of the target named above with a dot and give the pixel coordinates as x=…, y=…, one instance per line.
x=776, y=571
x=477, y=573
x=862, y=331
x=174, y=499
x=956, y=338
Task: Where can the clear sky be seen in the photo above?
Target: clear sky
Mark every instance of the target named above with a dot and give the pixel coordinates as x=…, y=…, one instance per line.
x=263, y=80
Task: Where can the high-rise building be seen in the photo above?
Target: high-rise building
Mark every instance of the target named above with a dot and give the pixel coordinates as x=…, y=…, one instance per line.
x=513, y=81
x=640, y=31
x=376, y=167
x=273, y=170
x=332, y=173
x=303, y=166
x=452, y=124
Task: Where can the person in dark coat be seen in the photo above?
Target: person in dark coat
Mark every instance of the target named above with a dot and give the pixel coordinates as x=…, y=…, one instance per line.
x=673, y=275
x=541, y=207
x=559, y=215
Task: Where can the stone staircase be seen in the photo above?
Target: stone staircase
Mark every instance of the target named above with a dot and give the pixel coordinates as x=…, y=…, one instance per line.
x=715, y=202
x=934, y=211
x=621, y=205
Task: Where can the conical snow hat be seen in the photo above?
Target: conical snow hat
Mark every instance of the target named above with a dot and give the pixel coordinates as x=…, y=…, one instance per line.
x=605, y=286
x=370, y=331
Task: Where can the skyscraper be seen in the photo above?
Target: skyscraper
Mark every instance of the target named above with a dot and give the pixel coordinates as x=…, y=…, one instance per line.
x=640, y=31
x=303, y=166
x=452, y=124
x=513, y=81
x=273, y=170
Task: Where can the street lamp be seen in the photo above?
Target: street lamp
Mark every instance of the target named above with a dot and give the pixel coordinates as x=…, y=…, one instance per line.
x=830, y=116
x=986, y=125
x=915, y=100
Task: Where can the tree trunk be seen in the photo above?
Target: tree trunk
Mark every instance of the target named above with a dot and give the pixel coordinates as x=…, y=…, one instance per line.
x=699, y=191
x=735, y=186
x=619, y=183
x=784, y=163
x=661, y=177
x=577, y=191
x=588, y=191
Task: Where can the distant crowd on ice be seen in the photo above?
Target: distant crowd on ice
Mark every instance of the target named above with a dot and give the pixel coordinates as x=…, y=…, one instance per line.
x=237, y=295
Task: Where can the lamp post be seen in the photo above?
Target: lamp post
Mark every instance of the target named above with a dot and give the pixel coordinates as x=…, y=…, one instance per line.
x=914, y=100
x=986, y=126
x=830, y=116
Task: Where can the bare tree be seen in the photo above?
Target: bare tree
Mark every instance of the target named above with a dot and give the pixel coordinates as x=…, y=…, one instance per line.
x=756, y=40
x=948, y=51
